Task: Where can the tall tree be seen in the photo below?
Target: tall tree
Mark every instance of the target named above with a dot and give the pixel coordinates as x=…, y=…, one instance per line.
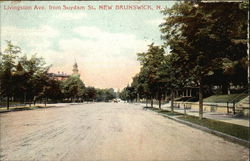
x=171, y=75
x=8, y=62
x=20, y=79
x=37, y=72
x=202, y=37
x=51, y=90
x=73, y=87
x=150, y=64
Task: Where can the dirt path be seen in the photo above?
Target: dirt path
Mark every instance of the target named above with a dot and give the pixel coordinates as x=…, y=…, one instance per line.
x=107, y=131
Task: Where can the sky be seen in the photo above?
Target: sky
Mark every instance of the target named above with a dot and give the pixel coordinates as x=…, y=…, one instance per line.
x=104, y=43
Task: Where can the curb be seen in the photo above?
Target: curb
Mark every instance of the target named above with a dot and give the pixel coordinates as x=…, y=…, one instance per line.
x=5, y=111
x=27, y=109
x=217, y=133
x=48, y=106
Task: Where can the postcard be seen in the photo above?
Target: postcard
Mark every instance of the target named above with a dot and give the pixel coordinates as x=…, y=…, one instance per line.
x=124, y=80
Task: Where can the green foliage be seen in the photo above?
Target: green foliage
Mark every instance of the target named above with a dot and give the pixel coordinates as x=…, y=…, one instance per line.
x=228, y=128
x=73, y=87
x=23, y=78
x=27, y=79
x=7, y=59
x=203, y=38
x=20, y=79
x=90, y=93
x=151, y=62
x=52, y=89
x=124, y=94
x=34, y=75
x=105, y=95
x=225, y=98
x=207, y=46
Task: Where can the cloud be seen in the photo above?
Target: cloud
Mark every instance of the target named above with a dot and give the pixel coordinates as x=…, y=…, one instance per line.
x=105, y=59
x=35, y=33
x=97, y=67
x=71, y=15
x=155, y=22
x=35, y=39
x=112, y=44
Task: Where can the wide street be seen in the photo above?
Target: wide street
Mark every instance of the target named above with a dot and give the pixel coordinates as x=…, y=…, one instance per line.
x=107, y=131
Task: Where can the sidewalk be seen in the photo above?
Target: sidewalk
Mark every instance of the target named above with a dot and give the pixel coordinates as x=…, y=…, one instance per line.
x=40, y=105
x=229, y=118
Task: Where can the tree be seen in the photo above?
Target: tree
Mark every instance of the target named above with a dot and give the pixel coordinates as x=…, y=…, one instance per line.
x=73, y=87
x=150, y=64
x=139, y=87
x=37, y=75
x=7, y=59
x=109, y=94
x=124, y=94
x=171, y=76
x=20, y=79
x=51, y=89
x=203, y=38
x=90, y=93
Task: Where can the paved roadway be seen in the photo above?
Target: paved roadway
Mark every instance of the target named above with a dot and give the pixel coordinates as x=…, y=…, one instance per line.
x=107, y=131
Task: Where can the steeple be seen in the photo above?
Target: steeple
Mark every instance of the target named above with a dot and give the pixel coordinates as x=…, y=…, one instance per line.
x=75, y=69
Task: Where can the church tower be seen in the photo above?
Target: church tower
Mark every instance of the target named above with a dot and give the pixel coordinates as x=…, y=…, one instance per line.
x=75, y=69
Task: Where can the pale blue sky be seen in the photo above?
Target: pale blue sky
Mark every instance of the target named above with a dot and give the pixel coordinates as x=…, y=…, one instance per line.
x=104, y=43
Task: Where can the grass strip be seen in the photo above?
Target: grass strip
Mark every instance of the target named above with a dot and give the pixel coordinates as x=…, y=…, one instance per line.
x=167, y=112
x=170, y=113
x=238, y=131
x=225, y=98
x=21, y=108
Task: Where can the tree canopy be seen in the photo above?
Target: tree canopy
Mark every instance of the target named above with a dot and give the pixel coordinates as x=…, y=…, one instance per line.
x=206, y=46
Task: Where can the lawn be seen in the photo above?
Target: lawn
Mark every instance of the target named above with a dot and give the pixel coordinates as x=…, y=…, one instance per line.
x=225, y=98
x=3, y=104
x=21, y=108
x=167, y=112
x=170, y=113
x=238, y=131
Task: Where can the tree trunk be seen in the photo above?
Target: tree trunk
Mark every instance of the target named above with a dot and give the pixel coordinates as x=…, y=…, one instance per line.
x=24, y=98
x=159, y=97
x=201, y=100
x=34, y=100
x=172, y=100
x=45, y=103
x=229, y=89
x=224, y=88
x=8, y=102
x=159, y=103
x=152, y=103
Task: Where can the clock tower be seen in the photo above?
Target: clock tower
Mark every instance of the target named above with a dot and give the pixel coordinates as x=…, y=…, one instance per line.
x=75, y=69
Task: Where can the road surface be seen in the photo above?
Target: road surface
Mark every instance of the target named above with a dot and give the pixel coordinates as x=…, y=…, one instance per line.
x=107, y=131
